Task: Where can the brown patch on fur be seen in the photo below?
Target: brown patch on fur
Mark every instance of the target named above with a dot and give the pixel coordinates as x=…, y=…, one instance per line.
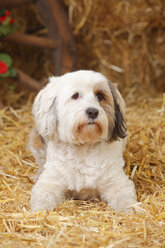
x=85, y=132
x=104, y=90
x=109, y=109
x=83, y=194
x=107, y=103
x=36, y=140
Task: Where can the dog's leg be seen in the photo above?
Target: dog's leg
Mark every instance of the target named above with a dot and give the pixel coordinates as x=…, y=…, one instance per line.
x=119, y=192
x=47, y=192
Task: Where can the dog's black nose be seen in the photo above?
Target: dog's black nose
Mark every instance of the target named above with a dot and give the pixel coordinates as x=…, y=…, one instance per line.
x=92, y=113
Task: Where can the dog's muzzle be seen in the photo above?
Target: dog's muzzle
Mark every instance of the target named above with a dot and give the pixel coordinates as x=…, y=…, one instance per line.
x=92, y=113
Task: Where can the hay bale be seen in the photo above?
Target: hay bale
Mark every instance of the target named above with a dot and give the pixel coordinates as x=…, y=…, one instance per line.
x=122, y=39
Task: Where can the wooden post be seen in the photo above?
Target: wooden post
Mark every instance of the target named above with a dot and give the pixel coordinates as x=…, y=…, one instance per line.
x=27, y=81
x=6, y=4
x=31, y=40
x=59, y=29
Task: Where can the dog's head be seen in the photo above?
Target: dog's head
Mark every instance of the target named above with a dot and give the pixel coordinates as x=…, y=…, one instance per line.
x=80, y=107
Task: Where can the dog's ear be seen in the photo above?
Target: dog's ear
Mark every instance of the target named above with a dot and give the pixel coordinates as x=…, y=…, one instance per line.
x=119, y=129
x=45, y=109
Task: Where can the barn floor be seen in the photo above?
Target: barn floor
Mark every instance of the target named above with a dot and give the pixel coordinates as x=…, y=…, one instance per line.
x=79, y=223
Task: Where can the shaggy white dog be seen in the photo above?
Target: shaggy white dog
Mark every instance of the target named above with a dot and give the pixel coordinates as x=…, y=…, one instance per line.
x=78, y=142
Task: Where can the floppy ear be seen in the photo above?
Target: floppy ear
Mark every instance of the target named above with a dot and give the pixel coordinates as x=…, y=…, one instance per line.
x=45, y=109
x=119, y=130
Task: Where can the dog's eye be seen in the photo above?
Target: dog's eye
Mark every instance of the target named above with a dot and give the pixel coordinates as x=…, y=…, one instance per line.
x=76, y=96
x=100, y=96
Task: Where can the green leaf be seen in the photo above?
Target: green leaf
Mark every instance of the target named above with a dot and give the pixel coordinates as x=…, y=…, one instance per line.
x=13, y=72
x=6, y=30
x=6, y=22
x=6, y=59
x=5, y=75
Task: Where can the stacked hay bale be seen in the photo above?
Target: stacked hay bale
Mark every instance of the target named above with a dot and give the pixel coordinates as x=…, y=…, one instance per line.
x=123, y=39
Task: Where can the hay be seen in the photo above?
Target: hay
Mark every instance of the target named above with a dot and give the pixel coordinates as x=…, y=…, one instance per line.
x=78, y=223
x=123, y=39
x=129, y=51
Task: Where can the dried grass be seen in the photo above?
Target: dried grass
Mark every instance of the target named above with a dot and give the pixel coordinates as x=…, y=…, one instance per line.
x=130, y=51
x=78, y=223
x=123, y=39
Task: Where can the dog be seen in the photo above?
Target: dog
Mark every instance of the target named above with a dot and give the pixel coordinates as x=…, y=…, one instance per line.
x=78, y=142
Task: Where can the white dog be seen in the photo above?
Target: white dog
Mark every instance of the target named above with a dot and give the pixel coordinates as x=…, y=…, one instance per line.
x=78, y=142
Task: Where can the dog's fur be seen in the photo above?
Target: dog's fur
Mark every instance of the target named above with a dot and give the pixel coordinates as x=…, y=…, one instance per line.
x=80, y=156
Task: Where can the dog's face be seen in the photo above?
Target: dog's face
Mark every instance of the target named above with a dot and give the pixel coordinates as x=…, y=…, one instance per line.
x=80, y=107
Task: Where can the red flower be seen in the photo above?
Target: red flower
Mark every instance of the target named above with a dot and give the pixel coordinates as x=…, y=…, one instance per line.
x=7, y=13
x=12, y=21
x=2, y=18
x=3, y=67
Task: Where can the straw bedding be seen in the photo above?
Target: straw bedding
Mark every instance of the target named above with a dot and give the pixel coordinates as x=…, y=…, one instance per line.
x=80, y=223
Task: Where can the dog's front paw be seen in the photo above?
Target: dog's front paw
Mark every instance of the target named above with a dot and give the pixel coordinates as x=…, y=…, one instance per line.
x=135, y=208
x=42, y=201
x=41, y=205
x=128, y=208
x=44, y=197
